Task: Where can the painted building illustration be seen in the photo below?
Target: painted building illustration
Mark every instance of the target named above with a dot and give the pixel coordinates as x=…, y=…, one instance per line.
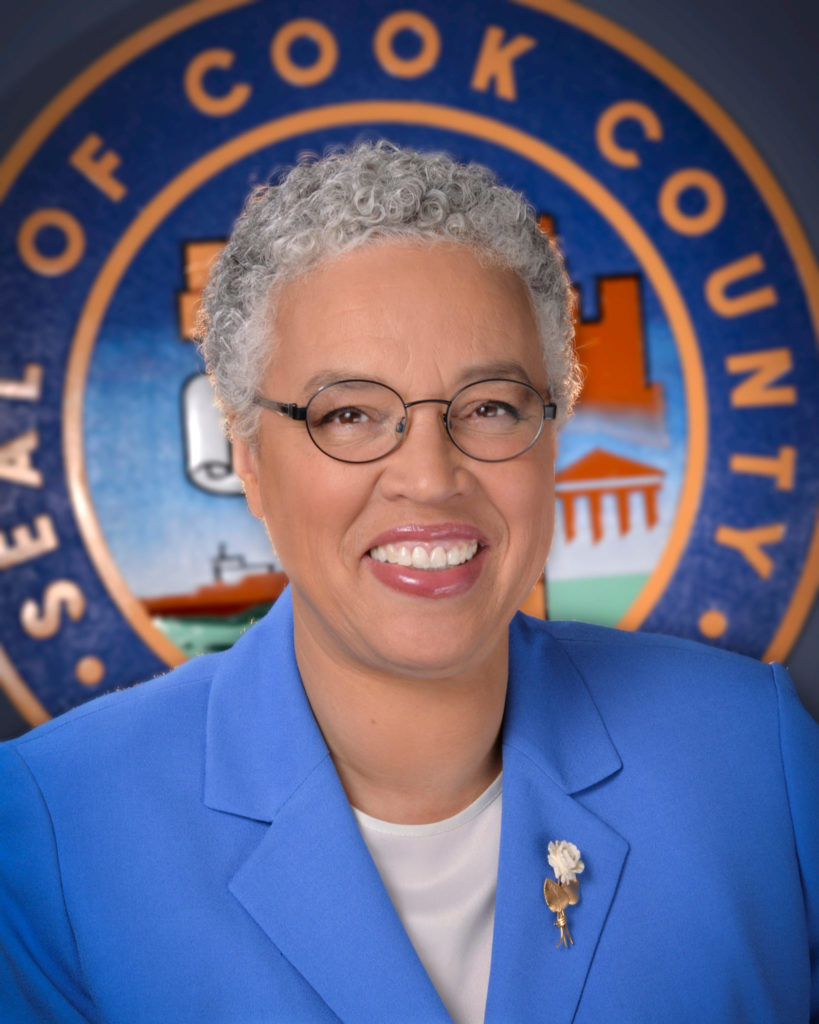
x=602, y=474
x=612, y=352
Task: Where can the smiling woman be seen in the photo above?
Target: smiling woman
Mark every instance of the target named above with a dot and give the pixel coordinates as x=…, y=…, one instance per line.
x=360, y=311
x=362, y=800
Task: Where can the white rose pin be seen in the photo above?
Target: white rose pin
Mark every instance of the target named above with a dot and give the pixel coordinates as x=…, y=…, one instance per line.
x=564, y=860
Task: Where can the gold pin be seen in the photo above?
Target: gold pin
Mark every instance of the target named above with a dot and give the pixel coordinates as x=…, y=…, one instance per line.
x=564, y=860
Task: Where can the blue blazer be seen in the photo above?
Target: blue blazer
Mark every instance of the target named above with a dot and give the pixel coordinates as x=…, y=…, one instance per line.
x=183, y=851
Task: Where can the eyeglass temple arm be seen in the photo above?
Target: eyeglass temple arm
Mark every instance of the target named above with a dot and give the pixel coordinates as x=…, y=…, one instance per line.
x=291, y=409
x=549, y=410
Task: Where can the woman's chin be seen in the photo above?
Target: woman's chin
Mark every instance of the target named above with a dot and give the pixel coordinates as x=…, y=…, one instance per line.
x=435, y=649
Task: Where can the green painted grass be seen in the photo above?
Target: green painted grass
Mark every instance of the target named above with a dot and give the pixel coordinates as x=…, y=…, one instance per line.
x=599, y=599
x=206, y=634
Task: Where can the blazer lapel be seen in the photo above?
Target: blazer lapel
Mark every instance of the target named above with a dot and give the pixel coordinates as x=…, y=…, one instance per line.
x=554, y=746
x=313, y=888
x=310, y=884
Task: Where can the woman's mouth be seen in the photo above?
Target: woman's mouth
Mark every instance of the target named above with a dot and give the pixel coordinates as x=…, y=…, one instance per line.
x=431, y=567
x=426, y=556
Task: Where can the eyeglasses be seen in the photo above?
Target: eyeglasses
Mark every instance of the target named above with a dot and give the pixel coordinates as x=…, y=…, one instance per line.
x=363, y=420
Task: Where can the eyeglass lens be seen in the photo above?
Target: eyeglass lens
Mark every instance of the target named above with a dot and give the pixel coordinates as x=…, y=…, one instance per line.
x=357, y=421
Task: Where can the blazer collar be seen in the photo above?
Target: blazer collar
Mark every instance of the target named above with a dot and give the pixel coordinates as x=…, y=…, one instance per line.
x=550, y=714
x=262, y=739
x=555, y=745
x=310, y=883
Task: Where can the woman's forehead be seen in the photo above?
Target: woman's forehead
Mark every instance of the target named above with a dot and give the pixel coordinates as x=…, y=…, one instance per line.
x=388, y=278
x=380, y=308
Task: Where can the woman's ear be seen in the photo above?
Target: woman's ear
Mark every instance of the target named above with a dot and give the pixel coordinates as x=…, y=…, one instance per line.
x=246, y=467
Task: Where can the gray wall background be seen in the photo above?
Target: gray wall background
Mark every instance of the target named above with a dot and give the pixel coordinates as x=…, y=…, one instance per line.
x=756, y=59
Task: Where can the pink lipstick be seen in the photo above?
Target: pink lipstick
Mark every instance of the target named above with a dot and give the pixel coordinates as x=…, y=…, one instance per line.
x=434, y=561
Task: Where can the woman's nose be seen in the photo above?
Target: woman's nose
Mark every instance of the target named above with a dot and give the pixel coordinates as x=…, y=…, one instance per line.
x=426, y=466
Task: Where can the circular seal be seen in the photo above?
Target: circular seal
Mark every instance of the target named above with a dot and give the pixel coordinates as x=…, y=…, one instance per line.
x=686, y=483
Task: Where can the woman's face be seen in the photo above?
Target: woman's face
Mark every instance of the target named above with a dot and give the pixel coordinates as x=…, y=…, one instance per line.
x=424, y=319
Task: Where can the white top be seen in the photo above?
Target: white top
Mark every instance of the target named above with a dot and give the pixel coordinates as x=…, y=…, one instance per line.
x=442, y=879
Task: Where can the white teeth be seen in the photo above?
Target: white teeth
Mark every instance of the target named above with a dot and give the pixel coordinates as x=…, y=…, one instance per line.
x=419, y=557
x=437, y=559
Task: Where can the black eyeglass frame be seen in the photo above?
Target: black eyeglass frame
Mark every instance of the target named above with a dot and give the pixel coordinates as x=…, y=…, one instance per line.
x=294, y=411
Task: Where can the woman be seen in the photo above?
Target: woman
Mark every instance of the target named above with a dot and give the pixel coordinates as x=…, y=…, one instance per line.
x=308, y=827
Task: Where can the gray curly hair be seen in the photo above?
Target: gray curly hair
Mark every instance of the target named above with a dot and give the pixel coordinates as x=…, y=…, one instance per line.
x=373, y=191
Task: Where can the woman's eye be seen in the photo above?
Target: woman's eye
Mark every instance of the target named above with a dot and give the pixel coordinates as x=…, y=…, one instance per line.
x=488, y=410
x=348, y=416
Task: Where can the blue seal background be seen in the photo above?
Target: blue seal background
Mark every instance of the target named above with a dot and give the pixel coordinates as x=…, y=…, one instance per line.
x=44, y=336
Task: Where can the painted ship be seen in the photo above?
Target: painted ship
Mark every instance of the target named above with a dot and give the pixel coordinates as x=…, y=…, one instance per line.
x=213, y=616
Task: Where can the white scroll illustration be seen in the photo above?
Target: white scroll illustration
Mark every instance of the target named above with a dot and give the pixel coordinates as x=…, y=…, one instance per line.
x=207, y=450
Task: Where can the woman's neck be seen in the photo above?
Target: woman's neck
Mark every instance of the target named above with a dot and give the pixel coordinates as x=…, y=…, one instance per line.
x=407, y=750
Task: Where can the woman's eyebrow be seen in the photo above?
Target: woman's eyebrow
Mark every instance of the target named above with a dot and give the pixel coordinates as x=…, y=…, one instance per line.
x=324, y=377
x=477, y=371
x=503, y=369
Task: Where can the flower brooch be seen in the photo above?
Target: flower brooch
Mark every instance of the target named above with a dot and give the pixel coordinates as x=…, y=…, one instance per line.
x=564, y=860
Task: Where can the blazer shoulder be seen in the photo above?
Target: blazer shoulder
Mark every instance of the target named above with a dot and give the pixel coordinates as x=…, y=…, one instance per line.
x=582, y=639
x=658, y=673
x=165, y=702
